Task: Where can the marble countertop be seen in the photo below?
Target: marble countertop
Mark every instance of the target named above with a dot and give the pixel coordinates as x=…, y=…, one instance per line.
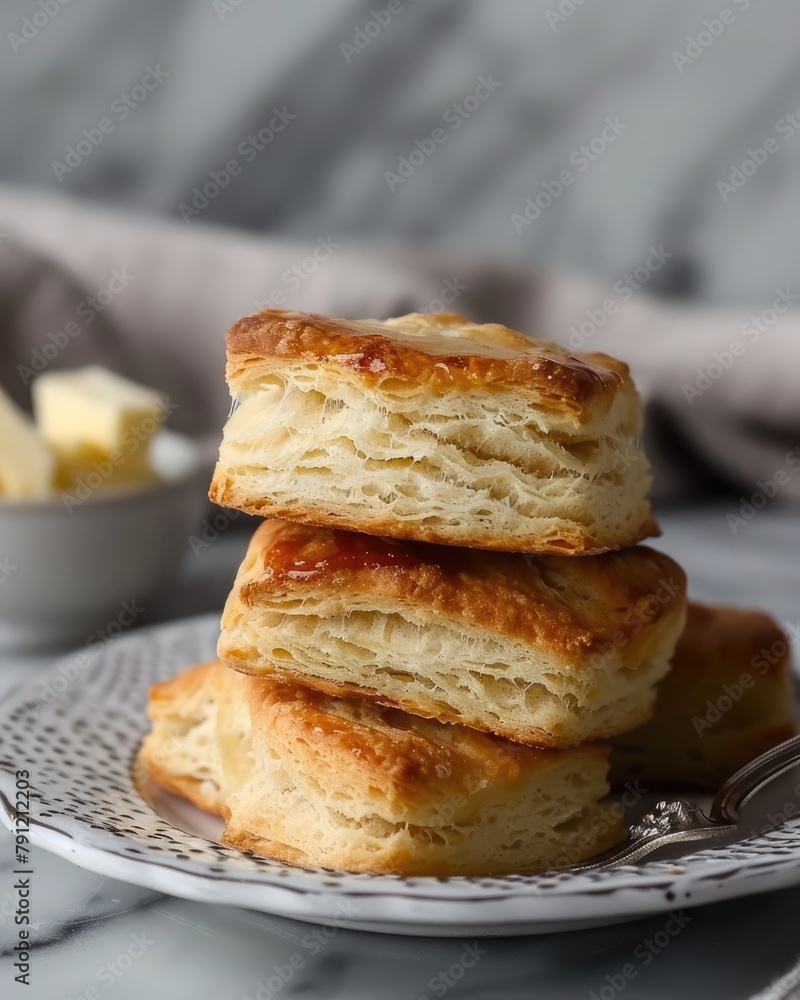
x=94, y=937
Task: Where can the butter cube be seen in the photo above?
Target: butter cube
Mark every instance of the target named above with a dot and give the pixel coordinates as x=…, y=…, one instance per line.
x=79, y=466
x=27, y=466
x=92, y=414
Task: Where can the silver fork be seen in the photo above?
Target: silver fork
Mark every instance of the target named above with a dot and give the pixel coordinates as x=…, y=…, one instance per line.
x=677, y=821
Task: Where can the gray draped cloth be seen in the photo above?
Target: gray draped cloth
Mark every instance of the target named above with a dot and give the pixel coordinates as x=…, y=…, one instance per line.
x=153, y=299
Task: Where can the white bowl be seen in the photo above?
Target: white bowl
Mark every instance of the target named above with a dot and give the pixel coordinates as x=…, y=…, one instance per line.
x=67, y=573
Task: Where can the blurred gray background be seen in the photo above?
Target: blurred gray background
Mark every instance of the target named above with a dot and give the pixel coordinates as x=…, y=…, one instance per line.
x=612, y=176
x=563, y=67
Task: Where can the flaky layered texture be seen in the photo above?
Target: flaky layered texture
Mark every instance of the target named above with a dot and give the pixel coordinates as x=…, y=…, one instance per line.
x=542, y=650
x=183, y=750
x=432, y=428
x=727, y=699
x=327, y=782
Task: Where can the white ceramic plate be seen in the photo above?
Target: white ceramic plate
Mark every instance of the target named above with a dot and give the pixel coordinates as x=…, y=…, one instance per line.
x=77, y=730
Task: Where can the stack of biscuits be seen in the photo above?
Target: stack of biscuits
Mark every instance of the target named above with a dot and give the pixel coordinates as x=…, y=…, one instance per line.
x=445, y=617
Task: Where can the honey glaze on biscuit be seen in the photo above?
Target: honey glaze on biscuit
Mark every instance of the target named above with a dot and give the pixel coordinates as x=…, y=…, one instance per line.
x=301, y=558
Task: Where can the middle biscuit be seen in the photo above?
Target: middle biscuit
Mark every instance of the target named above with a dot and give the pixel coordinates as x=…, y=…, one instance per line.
x=539, y=649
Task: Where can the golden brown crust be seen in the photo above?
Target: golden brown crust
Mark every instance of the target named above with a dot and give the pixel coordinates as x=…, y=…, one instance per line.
x=342, y=783
x=245, y=840
x=541, y=650
x=531, y=737
x=190, y=681
x=435, y=429
x=223, y=491
x=489, y=356
x=573, y=607
x=411, y=760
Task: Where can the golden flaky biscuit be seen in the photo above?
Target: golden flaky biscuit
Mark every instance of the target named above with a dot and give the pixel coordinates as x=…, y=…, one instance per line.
x=727, y=699
x=182, y=753
x=539, y=649
x=326, y=782
x=432, y=428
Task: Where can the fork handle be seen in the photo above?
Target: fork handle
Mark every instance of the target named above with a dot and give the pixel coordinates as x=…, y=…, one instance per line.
x=743, y=785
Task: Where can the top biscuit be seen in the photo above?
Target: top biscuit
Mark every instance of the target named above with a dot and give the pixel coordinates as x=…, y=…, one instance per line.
x=432, y=428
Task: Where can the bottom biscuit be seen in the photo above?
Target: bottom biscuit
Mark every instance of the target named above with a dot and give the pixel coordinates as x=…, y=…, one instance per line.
x=319, y=781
